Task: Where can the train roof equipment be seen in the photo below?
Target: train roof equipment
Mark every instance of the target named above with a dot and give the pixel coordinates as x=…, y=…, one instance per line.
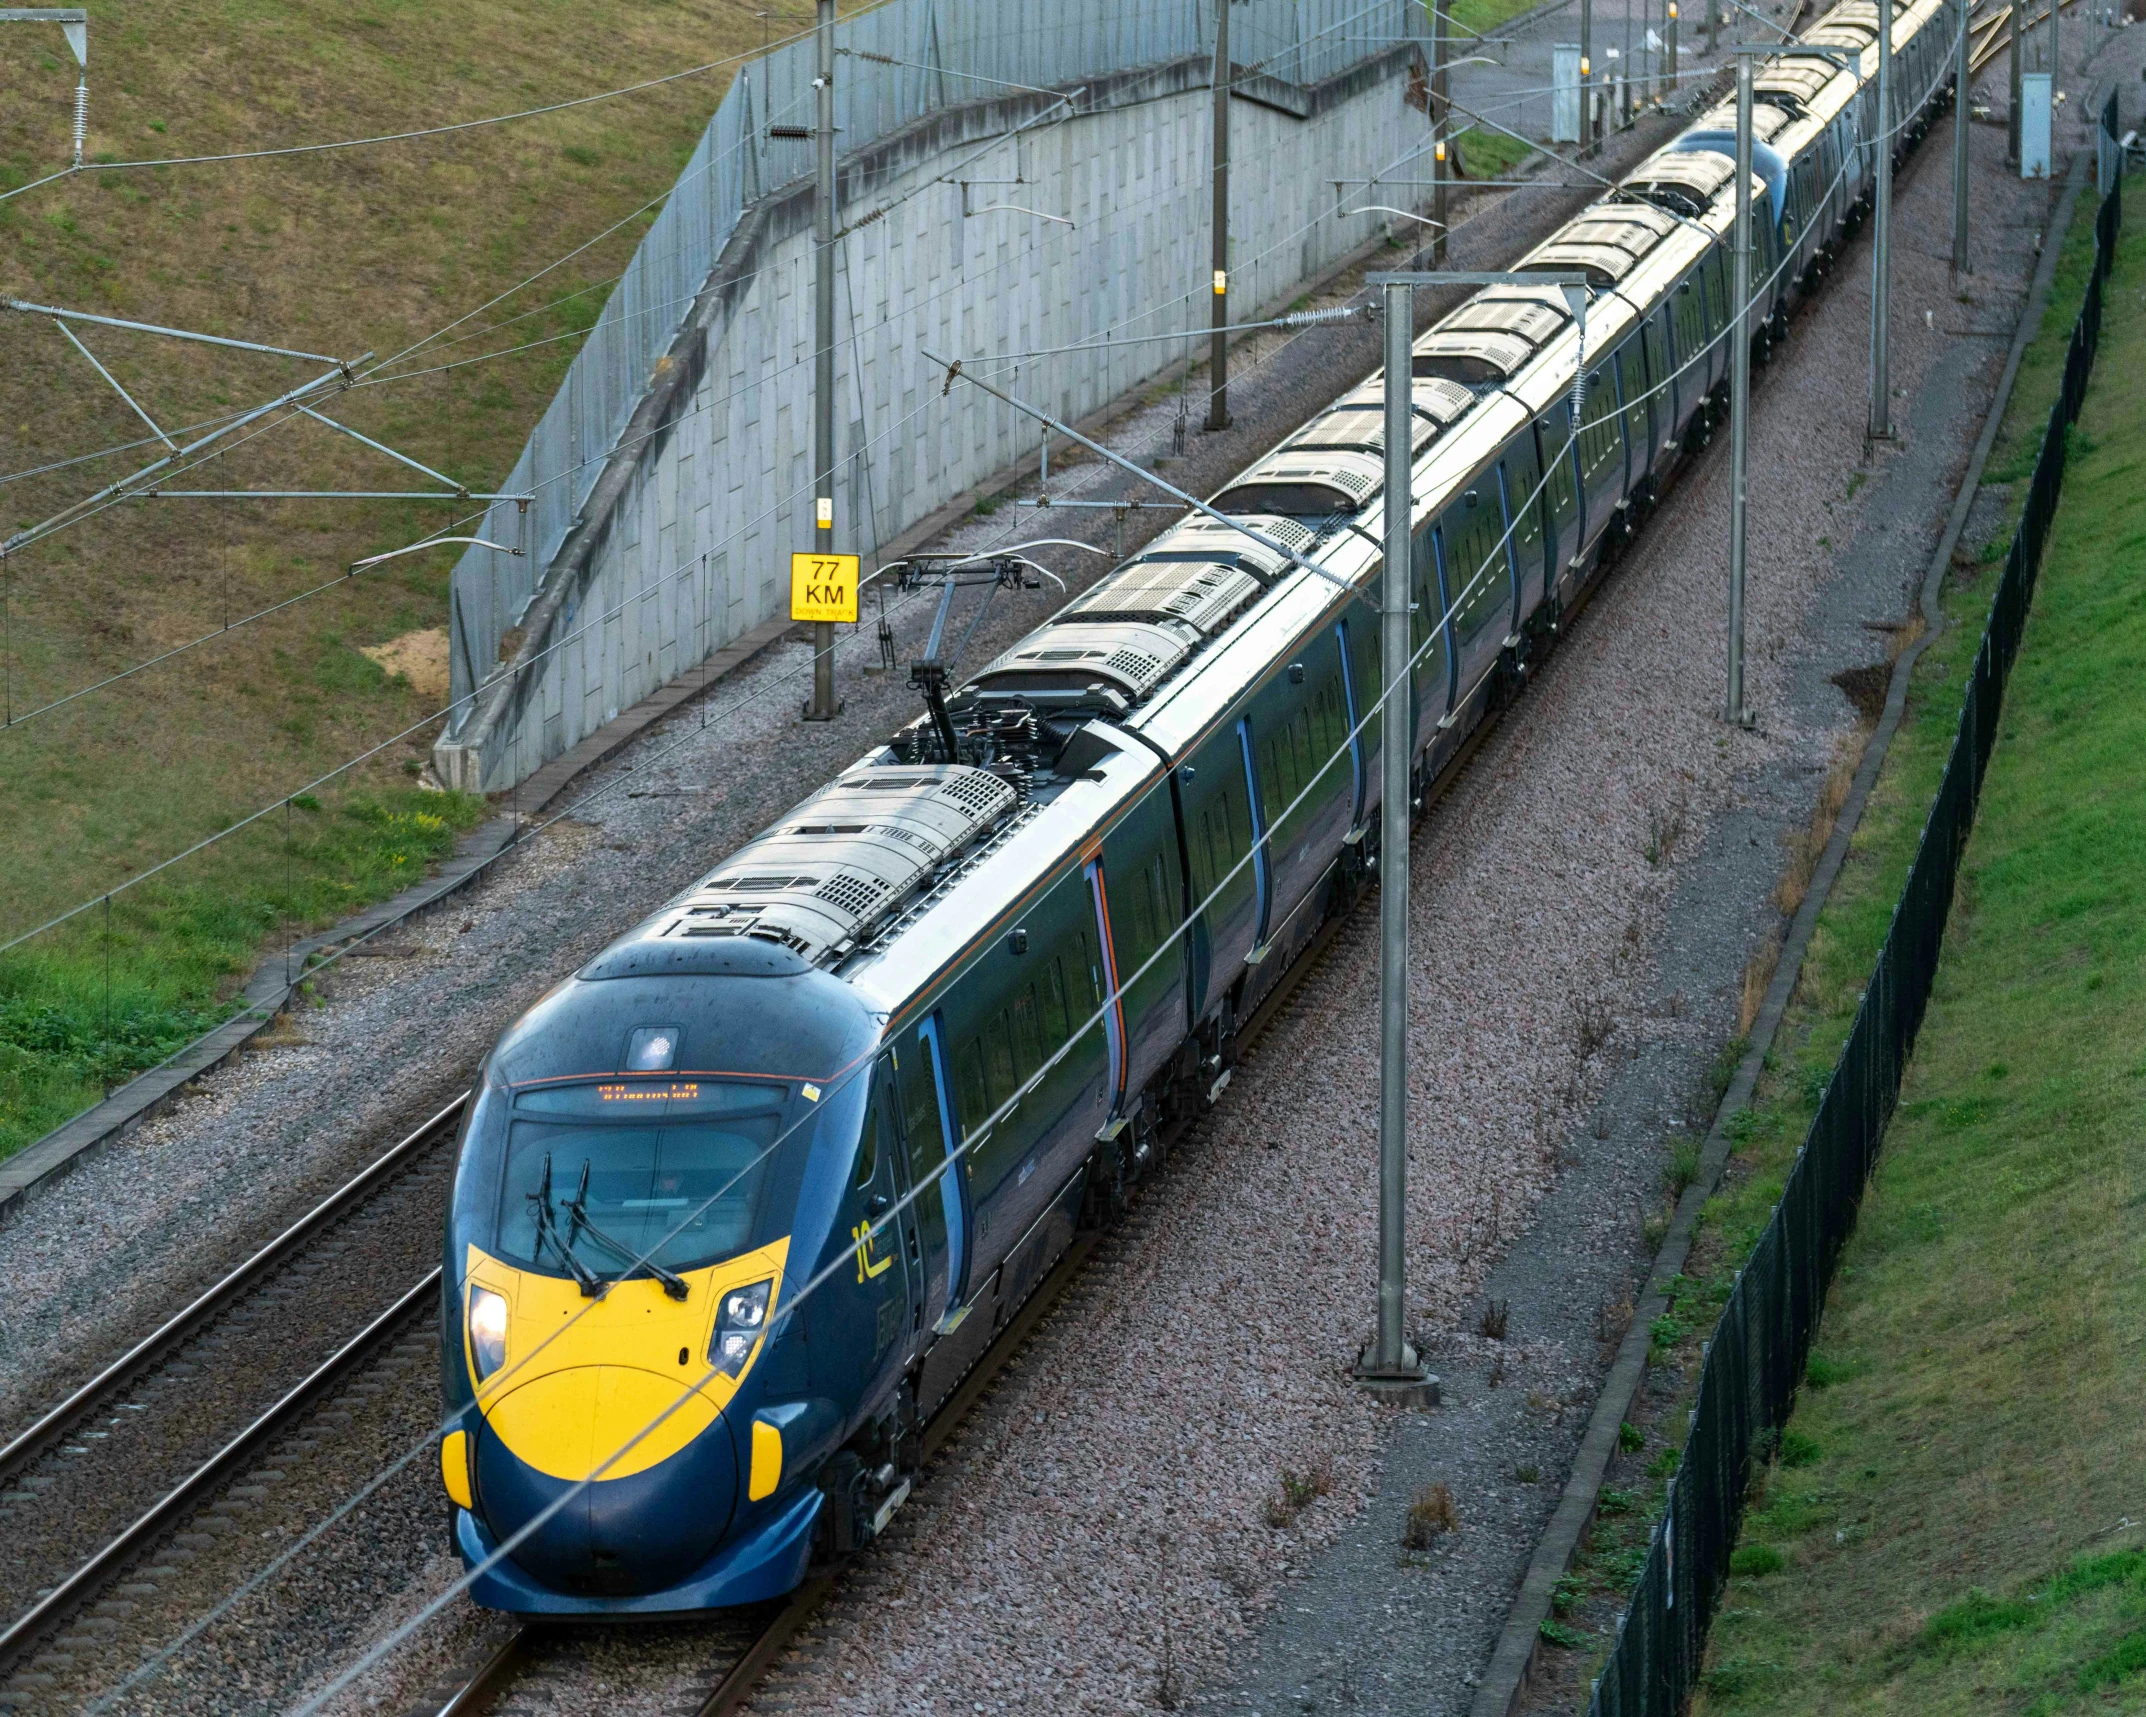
x=825, y=876
x=1683, y=181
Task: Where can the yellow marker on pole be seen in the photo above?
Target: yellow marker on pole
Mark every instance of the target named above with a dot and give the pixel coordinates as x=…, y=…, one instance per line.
x=824, y=587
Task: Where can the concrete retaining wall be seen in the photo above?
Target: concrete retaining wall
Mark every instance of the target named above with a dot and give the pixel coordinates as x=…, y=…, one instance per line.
x=684, y=540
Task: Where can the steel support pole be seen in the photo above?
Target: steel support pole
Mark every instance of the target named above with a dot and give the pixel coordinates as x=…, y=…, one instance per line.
x=1218, y=349
x=1881, y=257
x=1390, y=1361
x=1589, y=136
x=1441, y=126
x=1713, y=25
x=1667, y=87
x=2019, y=45
x=1962, y=81
x=1740, y=394
x=822, y=706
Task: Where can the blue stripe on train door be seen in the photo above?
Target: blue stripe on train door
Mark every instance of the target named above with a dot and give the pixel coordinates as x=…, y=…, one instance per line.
x=953, y=1184
x=1113, y=996
x=1445, y=624
x=1259, y=833
x=1512, y=561
x=1356, y=738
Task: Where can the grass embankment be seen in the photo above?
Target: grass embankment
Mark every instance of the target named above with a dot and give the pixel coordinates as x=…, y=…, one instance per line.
x=342, y=252
x=1941, y=1529
x=1815, y=1490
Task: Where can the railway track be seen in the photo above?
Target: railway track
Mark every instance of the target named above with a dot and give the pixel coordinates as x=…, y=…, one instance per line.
x=106, y=1474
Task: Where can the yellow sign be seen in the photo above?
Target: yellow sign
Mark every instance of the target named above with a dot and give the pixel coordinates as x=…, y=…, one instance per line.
x=867, y=1265
x=823, y=587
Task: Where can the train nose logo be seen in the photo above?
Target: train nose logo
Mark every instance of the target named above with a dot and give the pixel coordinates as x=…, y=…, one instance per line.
x=866, y=1266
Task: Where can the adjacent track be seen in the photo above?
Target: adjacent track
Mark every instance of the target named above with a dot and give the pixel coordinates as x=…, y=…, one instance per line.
x=102, y=1475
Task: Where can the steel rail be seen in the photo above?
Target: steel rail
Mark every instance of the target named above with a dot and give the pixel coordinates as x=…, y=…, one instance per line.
x=50, y=1610
x=152, y=1349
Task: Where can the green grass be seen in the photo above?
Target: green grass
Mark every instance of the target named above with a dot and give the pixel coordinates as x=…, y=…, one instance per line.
x=1491, y=154
x=1466, y=18
x=96, y=1001
x=1938, y=1531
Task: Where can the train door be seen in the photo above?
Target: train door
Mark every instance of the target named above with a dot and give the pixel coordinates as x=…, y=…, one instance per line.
x=1560, y=460
x=1714, y=285
x=1601, y=450
x=1632, y=399
x=892, y=1258
x=1104, y=972
x=1527, y=504
x=1353, y=713
x=1661, y=435
x=1138, y=887
x=1434, y=681
x=934, y=1160
x=1687, y=336
x=1262, y=853
x=1472, y=549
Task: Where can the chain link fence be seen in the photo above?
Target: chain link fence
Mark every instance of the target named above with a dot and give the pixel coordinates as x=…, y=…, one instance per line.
x=1753, y=1364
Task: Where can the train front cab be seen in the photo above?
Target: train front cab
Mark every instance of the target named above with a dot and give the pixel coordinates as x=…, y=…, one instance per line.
x=642, y=1442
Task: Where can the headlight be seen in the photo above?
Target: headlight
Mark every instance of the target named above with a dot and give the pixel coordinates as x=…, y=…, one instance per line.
x=487, y=1331
x=739, y=1323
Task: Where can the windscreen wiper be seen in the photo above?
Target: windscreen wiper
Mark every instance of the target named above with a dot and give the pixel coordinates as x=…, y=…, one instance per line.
x=548, y=1229
x=673, y=1284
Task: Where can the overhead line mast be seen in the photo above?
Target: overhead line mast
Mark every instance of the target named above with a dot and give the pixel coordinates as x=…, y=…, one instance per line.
x=822, y=706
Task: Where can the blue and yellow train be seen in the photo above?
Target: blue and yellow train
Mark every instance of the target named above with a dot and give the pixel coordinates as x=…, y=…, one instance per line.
x=708, y=1265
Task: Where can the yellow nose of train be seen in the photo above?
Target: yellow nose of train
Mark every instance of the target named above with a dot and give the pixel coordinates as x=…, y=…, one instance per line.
x=603, y=1461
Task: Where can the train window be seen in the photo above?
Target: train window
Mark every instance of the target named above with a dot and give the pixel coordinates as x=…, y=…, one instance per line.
x=1273, y=791
x=1147, y=918
x=877, y=1122
x=1690, y=321
x=1564, y=498
x=1027, y=1035
x=1600, y=446
x=969, y=1088
x=920, y=1115
x=1521, y=480
x=1334, y=728
x=1088, y=976
x=1430, y=604
x=1301, y=745
x=1655, y=333
x=1223, y=833
x=1159, y=903
x=1477, y=571
x=682, y=1189
x=1210, y=849
x=1632, y=391
x=999, y=1071
x=1057, y=1014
